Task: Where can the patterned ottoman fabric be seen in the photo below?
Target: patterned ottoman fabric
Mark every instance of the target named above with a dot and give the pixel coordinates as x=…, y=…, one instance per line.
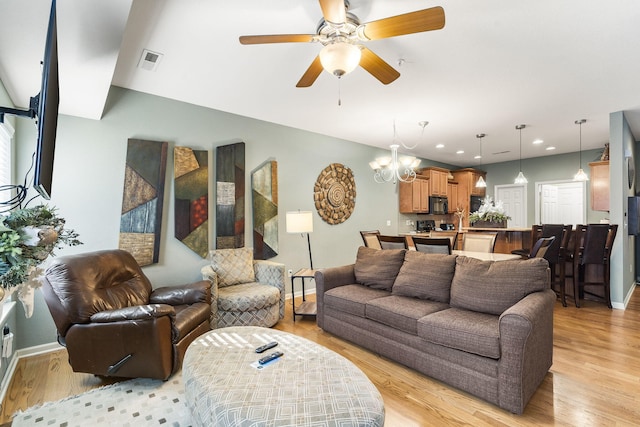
x=309, y=386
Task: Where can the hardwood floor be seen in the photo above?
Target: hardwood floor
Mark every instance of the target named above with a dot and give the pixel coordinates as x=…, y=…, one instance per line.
x=594, y=380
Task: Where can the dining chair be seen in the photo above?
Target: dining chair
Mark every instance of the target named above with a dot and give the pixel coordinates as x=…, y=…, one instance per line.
x=593, y=248
x=370, y=238
x=451, y=235
x=479, y=242
x=392, y=242
x=432, y=245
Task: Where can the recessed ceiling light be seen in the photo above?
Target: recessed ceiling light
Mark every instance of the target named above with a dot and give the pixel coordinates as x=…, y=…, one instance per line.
x=440, y=146
x=460, y=152
x=549, y=148
x=477, y=157
x=537, y=141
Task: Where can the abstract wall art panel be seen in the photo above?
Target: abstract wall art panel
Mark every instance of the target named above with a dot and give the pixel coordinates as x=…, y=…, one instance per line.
x=230, y=196
x=191, y=178
x=264, y=191
x=142, y=199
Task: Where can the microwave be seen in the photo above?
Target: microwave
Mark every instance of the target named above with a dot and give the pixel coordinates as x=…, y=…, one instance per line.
x=438, y=205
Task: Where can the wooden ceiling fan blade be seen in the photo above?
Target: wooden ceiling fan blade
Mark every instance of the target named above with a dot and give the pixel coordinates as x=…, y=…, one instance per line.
x=377, y=67
x=312, y=73
x=333, y=11
x=408, y=23
x=277, y=38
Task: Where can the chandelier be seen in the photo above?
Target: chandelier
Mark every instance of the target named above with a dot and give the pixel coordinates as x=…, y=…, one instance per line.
x=388, y=169
x=396, y=168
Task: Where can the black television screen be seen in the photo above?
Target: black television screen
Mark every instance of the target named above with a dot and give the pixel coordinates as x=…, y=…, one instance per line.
x=47, y=113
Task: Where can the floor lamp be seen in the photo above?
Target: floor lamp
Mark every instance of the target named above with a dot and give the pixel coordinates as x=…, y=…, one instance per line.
x=301, y=222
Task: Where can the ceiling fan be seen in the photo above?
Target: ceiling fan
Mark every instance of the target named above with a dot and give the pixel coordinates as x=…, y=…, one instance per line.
x=342, y=34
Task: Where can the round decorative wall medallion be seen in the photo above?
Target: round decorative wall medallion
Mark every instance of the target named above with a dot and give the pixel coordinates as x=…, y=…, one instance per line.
x=334, y=193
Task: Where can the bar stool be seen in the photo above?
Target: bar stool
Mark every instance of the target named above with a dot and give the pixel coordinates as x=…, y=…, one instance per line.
x=593, y=244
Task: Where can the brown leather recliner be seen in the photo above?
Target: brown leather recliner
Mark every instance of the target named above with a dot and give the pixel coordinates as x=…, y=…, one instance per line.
x=114, y=324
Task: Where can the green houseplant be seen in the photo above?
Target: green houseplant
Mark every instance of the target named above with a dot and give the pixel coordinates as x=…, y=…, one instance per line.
x=27, y=237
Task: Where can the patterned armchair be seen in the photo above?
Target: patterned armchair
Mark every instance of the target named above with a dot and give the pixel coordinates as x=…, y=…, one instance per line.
x=244, y=291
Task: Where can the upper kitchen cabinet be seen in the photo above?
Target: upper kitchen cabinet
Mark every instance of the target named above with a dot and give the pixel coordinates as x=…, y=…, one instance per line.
x=599, y=185
x=414, y=196
x=437, y=180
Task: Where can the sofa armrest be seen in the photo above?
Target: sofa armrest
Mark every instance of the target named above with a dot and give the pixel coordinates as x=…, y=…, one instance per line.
x=526, y=340
x=329, y=278
x=184, y=294
x=137, y=312
x=272, y=274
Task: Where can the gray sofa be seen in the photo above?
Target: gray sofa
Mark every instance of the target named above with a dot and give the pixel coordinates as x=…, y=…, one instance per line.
x=481, y=326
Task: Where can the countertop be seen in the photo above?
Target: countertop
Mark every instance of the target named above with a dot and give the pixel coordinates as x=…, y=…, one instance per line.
x=466, y=229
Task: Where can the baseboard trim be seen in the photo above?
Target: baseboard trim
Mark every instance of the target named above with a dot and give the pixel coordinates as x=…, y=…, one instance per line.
x=19, y=354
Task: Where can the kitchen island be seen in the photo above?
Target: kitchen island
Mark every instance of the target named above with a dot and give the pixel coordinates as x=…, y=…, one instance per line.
x=508, y=239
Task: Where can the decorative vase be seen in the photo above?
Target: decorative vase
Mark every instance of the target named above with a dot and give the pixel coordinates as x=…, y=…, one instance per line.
x=490, y=224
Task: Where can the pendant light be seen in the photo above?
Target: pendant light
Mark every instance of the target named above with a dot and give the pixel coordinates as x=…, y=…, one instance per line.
x=520, y=179
x=580, y=176
x=481, y=183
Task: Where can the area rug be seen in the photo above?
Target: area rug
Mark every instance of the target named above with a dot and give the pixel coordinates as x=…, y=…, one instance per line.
x=138, y=402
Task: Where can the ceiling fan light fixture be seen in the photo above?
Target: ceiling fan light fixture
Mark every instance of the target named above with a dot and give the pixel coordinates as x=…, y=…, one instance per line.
x=340, y=58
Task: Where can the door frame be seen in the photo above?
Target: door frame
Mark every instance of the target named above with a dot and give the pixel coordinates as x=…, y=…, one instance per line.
x=524, y=197
x=538, y=187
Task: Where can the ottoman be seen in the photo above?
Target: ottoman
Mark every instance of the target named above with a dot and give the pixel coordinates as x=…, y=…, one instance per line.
x=309, y=385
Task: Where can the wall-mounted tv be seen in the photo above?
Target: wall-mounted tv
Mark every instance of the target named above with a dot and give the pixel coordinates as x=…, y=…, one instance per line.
x=47, y=112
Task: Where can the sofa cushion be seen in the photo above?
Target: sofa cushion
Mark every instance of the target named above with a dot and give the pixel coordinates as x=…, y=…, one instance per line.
x=352, y=298
x=247, y=297
x=233, y=266
x=378, y=268
x=425, y=276
x=494, y=286
x=401, y=312
x=470, y=331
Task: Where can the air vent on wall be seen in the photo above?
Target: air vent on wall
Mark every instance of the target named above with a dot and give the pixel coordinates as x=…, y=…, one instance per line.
x=149, y=60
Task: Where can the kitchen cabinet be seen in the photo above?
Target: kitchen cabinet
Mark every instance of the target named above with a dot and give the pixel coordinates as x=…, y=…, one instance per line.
x=599, y=185
x=414, y=196
x=452, y=196
x=437, y=180
x=466, y=179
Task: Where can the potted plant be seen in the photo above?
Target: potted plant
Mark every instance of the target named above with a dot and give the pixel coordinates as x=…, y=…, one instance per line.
x=489, y=215
x=27, y=238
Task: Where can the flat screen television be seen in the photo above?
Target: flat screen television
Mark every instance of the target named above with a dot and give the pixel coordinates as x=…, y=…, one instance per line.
x=47, y=112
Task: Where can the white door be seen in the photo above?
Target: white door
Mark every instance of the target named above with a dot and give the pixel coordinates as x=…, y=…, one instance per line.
x=514, y=200
x=560, y=202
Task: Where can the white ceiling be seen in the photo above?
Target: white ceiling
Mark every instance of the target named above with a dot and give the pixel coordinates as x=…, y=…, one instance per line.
x=495, y=64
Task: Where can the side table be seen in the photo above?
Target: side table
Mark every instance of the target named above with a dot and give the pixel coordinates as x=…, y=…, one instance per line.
x=307, y=308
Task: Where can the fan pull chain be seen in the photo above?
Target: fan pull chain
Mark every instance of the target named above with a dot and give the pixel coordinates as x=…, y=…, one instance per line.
x=339, y=92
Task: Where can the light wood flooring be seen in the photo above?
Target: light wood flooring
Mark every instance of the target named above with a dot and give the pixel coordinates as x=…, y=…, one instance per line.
x=594, y=380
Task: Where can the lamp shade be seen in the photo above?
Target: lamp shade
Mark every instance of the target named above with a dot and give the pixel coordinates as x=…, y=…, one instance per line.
x=299, y=222
x=340, y=58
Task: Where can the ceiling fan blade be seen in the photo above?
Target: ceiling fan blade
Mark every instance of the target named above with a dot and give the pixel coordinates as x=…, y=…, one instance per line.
x=277, y=38
x=377, y=67
x=334, y=11
x=408, y=23
x=312, y=73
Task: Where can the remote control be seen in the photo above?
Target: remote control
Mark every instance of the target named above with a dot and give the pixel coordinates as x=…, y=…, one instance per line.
x=269, y=358
x=266, y=347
